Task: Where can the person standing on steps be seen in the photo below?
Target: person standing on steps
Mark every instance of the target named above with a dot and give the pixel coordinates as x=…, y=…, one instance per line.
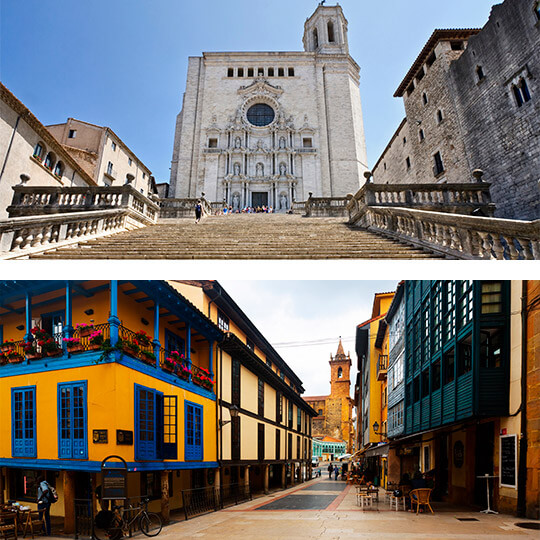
x=198, y=211
x=330, y=469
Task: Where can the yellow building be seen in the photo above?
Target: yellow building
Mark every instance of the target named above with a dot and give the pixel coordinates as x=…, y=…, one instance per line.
x=371, y=392
x=264, y=437
x=334, y=417
x=81, y=380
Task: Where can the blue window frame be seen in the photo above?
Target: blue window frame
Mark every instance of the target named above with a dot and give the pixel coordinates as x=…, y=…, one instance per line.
x=193, y=435
x=72, y=420
x=23, y=422
x=174, y=342
x=146, y=404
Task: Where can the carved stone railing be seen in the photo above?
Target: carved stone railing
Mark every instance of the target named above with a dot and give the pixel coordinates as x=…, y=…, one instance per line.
x=298, y=207
x=24, y=236
x=449, y=198
x=327, y=206
x=182, y=208
x=34, y=201
x=469, y=237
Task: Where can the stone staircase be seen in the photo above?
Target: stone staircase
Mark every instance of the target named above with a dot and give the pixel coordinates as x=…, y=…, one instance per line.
x=245, y=236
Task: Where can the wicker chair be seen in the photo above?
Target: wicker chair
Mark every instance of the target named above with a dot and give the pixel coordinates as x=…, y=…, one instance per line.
x=419, y=497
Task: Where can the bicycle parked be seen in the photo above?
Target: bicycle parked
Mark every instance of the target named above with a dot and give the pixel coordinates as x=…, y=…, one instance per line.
x=112, y=525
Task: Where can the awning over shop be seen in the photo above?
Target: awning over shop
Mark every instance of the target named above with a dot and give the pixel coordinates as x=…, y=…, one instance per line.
x=380, y=450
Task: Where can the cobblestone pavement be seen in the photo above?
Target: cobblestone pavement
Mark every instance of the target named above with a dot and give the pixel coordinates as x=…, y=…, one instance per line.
x=327, y=510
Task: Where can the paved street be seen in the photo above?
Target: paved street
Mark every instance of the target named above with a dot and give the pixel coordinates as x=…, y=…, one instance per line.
x=327, y=509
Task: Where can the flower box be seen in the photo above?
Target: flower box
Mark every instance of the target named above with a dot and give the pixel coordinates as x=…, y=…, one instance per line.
x=6, y=347
x=33, y=356
x=168, y=368
x=132, y=350
x=148, y=358
x=57, y=352
x=75, y=349
x=15, y=359
x=85, y=331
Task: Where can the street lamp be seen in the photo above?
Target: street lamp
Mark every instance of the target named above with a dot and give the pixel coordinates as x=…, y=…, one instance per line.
x=234, y=411
x=376, y=430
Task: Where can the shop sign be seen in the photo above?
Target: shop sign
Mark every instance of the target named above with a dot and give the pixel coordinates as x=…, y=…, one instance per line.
x=114, y=472
x=508, y=453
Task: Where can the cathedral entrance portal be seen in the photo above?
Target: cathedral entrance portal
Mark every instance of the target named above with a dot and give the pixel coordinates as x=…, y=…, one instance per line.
x=259, y=199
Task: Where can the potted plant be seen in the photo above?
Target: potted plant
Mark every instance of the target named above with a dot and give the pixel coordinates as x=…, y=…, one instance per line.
x=13, y=357
x=3, y=359
x=148, y=357
x=38, y=333
x=183, y=371
x=173, y=362
x=85, y=330
x=31, y=351
x=202, y=378
x=96, y=339
x=73, y=345
x=169, y=364
x=7, y=346
x=142, y=339
x=50, y=347
x=129, y=347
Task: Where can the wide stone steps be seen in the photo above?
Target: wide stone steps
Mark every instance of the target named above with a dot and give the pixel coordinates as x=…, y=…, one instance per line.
x=254, y=236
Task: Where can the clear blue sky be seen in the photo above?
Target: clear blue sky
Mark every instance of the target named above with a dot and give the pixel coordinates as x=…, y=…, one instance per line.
x=122, y=63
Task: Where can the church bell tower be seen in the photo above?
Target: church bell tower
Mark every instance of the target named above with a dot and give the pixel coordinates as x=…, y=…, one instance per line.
x=340, y=367
x=325, y=32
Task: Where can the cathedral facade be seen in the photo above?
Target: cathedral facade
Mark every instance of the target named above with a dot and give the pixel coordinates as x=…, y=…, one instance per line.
x=270, y=128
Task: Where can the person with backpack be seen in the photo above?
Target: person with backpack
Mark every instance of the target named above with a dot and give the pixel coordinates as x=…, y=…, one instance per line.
x=46, y=495
x=198, y=211
x=330, y=469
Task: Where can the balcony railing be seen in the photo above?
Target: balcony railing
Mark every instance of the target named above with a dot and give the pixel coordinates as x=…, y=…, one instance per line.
x=382, y=367
x=97, y=338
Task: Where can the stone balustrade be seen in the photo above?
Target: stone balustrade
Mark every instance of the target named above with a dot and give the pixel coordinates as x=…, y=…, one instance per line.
x=449, y=198
x=34, y=201
x=470, y=237
x=184, y=208
x=327, y=206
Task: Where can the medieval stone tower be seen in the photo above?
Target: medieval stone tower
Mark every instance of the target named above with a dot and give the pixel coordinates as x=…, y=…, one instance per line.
x=335, y=410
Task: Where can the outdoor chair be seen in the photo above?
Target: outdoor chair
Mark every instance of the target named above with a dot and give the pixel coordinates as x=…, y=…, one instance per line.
x=8, y=525
x=419, y=497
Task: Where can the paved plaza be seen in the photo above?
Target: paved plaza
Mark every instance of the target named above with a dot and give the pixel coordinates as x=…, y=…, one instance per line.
x=327, y=509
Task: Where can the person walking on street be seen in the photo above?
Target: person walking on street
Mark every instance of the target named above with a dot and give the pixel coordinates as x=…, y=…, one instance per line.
x=336, y=472
x=330, y=469
x=44, y=503
x=198, y=211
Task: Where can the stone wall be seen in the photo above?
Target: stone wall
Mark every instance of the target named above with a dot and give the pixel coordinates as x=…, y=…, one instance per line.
x=533, y=402
x=502, y=138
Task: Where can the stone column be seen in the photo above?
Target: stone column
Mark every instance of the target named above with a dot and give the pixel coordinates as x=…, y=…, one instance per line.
x=165, y=509
x=69, y=502
x=284, y=476
x=266, y=473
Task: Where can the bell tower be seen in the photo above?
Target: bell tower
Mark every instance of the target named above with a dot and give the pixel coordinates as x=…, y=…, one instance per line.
x=340, y=367
x=325, y=32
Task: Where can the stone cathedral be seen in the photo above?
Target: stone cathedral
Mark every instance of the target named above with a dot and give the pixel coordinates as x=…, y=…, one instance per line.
x=269, y=128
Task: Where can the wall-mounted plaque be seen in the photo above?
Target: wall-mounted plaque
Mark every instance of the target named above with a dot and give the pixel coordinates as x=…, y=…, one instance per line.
x=100, y=436
x=124, y=437
x=508, y=466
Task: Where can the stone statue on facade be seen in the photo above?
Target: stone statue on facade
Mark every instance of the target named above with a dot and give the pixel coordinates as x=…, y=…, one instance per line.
x=238, y=142
x=283, y=202
x=282, y=169
x=259, y=169
x=282, y=142
x=236, y=202
x=236, y=169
